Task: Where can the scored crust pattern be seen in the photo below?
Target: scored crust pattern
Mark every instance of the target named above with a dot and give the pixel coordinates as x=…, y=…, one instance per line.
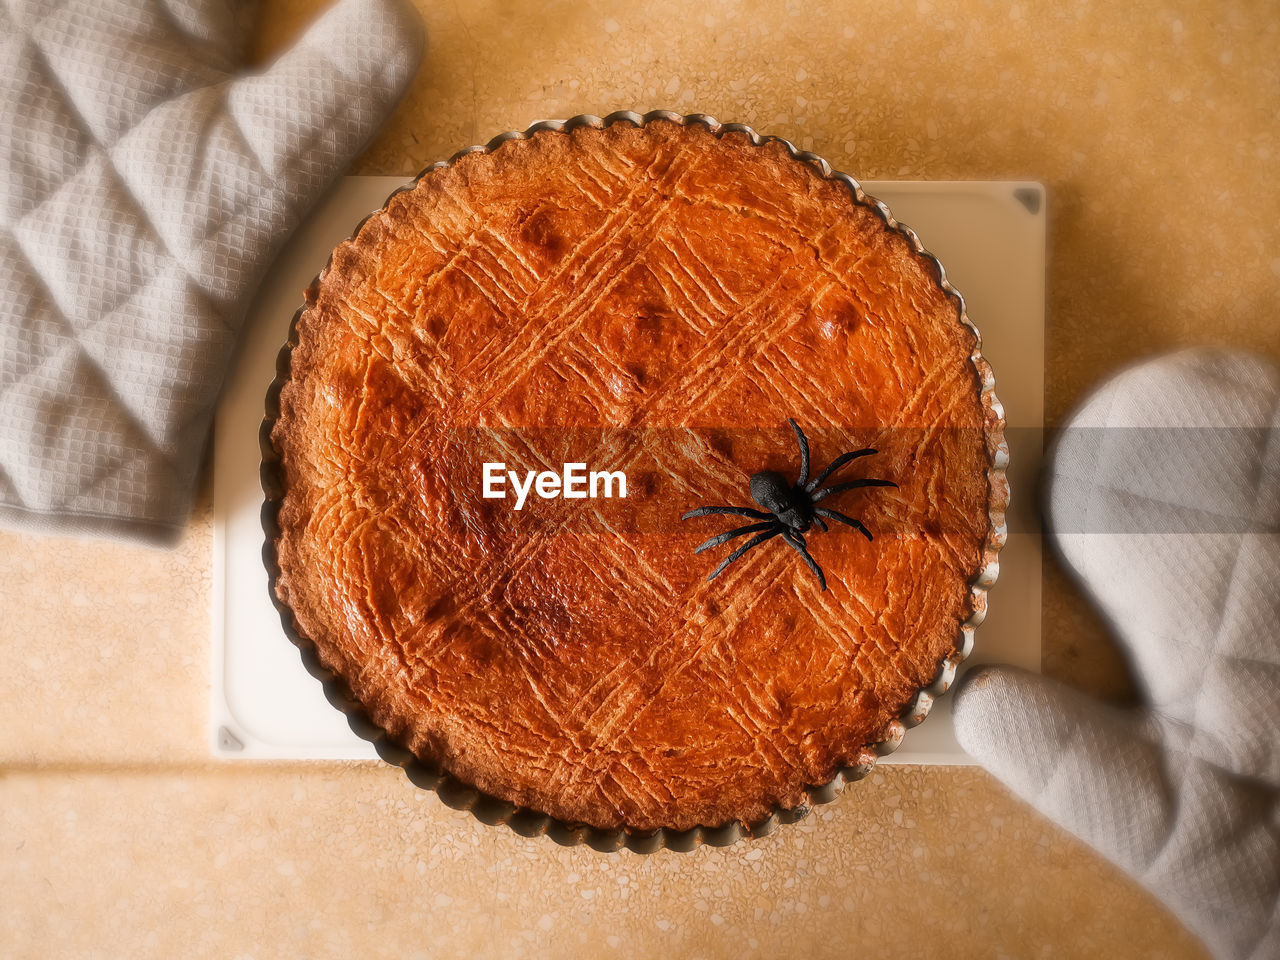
x=655, y=298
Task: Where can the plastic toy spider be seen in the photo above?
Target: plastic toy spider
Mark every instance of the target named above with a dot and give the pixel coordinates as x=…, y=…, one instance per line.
x=792, y=508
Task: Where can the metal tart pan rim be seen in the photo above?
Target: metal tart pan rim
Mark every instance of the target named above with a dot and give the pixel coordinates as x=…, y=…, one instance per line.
x=526, y=821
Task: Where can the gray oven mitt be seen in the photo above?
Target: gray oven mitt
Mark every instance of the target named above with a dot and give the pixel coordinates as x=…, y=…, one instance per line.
x=1164, y=498
x=145, y=183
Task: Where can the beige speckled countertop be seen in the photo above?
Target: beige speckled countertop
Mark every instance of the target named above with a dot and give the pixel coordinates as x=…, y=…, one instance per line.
x=1156, y=134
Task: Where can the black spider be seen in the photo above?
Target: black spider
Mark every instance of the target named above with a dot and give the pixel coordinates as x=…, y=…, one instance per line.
x=792, y=508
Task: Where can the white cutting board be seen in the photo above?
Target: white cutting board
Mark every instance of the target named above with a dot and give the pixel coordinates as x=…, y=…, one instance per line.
x=991, y=238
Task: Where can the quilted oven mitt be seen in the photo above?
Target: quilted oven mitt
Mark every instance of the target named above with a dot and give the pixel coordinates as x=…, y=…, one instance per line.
x=145, y=183
x=1164, y=497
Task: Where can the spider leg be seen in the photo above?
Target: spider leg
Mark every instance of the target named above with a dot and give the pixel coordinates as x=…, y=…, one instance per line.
x=803, y=441
x=797, y=541
x=836, y=464
x=851, y=485
x=821, y=526
x=754, y=541
x=726, y=537
x=735, y=511
x=849, y=521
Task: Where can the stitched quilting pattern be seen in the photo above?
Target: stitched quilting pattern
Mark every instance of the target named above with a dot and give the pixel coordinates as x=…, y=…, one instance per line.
x=1163, y=501
x=143, y=189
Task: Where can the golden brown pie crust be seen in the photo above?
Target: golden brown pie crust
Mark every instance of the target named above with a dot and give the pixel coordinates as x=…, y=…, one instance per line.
x=657, y=299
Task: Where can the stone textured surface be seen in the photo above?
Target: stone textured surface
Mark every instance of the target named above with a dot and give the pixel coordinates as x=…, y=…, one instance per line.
x=350, y=860
x=1143, y=125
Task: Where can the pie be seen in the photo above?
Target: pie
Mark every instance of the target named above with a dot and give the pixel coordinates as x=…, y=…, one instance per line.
x=655, y=298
